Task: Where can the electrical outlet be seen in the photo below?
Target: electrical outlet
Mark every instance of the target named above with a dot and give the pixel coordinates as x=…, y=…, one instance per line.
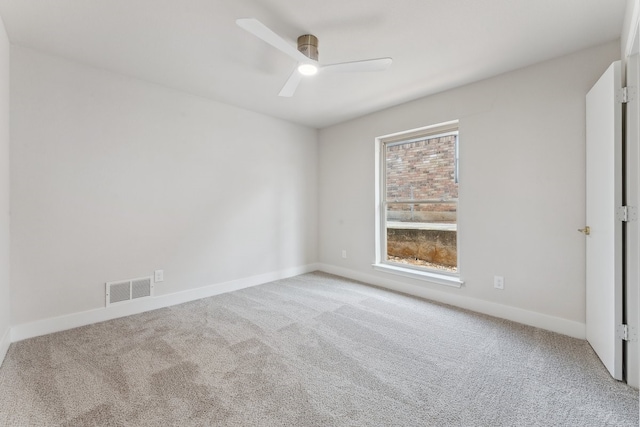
x=498, y=282
x=158, y=276
x=344, y=253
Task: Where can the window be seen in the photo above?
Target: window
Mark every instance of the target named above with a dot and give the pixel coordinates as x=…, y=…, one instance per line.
x=417, y=203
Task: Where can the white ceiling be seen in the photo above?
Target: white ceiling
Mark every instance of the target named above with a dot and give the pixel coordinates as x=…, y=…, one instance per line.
x=195, y=45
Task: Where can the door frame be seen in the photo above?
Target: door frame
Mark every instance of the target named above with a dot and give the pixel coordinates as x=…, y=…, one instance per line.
x=631, y=79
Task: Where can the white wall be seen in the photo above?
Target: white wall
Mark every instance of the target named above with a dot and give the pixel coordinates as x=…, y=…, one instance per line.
x=522, y=190
x=629, y=30
x=4, y=193
x=113, y=178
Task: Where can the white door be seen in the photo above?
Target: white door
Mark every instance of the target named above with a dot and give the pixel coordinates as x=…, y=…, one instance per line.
x=604, y=242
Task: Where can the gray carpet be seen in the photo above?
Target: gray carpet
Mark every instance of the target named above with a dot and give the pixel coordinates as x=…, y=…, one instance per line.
x=314, y=350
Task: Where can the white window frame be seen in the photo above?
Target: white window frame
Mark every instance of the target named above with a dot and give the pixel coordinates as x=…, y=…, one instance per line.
x=381, y=263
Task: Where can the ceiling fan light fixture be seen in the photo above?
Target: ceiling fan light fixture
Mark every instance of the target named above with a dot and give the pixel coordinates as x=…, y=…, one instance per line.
x=307, y=69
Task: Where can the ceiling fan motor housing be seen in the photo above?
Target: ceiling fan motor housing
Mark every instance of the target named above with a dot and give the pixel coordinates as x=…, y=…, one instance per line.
x=308, y=45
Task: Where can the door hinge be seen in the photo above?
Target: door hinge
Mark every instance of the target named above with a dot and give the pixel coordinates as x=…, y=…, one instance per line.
x=622, y=332
x=627, y=213
x=626, y=94
x=626, y=333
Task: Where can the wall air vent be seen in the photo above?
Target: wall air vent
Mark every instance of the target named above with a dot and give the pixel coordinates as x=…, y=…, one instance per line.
x=128, y=290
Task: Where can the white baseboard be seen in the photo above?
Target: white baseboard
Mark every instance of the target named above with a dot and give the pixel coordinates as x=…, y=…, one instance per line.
x=74, y=320
x=519, y=315
x=5, y=342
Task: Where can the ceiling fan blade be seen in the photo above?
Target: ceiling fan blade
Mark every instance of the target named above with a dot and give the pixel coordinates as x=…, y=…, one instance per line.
x=261, y=31
x=379, y=64
x=291, y=85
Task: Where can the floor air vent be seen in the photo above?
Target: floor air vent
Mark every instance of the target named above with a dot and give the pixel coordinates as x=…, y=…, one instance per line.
x=128, y=290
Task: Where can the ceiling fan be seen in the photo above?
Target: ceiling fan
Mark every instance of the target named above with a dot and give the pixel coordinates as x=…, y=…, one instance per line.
x=307, y=55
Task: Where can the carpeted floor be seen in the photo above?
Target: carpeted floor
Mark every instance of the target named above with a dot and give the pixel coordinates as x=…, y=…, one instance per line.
x=314, y=350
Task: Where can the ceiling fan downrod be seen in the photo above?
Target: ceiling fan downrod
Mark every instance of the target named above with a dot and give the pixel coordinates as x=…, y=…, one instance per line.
x=308, y=45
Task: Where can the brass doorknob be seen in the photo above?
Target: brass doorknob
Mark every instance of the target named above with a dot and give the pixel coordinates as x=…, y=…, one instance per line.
x=586, y=230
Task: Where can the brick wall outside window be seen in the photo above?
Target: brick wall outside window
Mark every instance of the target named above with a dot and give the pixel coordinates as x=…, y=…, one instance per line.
x=422, y=170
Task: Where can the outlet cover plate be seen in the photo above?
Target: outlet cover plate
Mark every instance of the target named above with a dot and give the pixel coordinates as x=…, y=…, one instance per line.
x=158, y=276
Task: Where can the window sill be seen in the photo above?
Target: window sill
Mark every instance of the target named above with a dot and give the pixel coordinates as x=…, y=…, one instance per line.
x=427, y=276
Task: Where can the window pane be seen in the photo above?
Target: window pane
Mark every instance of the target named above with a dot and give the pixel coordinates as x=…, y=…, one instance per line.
x=423, y=234
x=422, y=169
x=420, y=199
